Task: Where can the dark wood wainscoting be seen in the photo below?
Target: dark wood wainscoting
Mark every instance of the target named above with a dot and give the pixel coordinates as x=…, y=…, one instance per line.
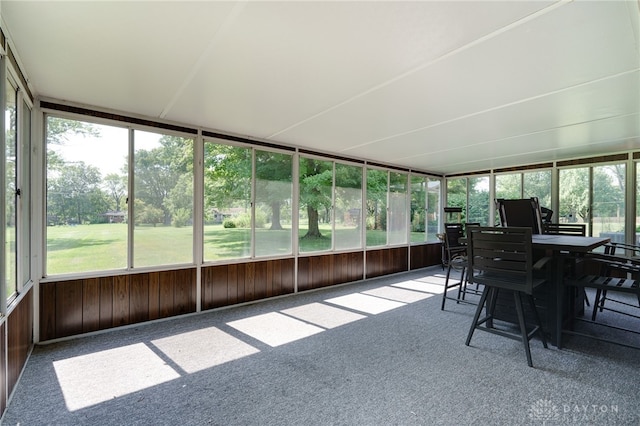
x=329, y=269
x=387, y=261
x=224, y=285
x=90, y=304
x=425, y=255
x=3, y=372
x=19, y=339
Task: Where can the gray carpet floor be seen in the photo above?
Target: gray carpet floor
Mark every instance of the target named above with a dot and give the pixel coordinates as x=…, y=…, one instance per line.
x=377, y=352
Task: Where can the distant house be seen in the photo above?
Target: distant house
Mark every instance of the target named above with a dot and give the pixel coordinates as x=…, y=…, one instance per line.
x=115, y=217
x=218, y=216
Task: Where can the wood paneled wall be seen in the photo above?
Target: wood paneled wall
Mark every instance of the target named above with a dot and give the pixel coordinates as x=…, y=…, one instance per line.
x=3, y=370
x=387, y=261
x=224, y=285
x=425, y=255
x=329, y=269
x=80, y=306
x=71, y=307
x=19, y=340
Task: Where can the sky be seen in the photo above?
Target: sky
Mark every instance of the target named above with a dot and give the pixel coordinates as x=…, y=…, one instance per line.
x=109, y=151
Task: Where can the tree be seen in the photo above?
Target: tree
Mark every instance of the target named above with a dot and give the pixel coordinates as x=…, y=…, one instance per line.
x=315, y=191
x=158, y=170
x=227, y=176
x=74, y=195
x=273, y=182
x=377, y=183
x=116, y=186
x=60, y=130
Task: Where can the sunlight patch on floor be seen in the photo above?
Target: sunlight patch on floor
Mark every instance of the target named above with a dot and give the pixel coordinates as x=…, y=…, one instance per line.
x=365, y=303
x=201, y=349
x=397, y=294
x=275, y=329
x=90, y=379
x=426, y=287
x=323, y=315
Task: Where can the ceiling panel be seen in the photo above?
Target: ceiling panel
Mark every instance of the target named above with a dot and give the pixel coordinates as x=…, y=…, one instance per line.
x=497, y=73
x=587, y=103
x=286, y=62
x=441, y=86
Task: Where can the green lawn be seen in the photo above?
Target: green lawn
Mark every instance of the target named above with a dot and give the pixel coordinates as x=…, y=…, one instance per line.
x=84, y=248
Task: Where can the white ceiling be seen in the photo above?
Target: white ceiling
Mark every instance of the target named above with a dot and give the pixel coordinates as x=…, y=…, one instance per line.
x=440, y=86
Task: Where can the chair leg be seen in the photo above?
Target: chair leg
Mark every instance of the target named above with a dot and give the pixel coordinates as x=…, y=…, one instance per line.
x=476, y=316
x=586, y=299
x=523, y=327
x=596, y=303
x=536, y=318
x=446, y=286
x=463, y=283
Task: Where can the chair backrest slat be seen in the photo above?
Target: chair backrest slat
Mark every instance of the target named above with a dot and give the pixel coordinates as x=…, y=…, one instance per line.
x=501, y=256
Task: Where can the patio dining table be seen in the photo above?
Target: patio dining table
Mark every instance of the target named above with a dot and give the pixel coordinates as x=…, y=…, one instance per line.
x=561, y=249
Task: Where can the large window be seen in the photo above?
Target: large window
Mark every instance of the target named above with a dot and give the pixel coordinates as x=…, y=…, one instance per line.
x=478, y=206
x=538, y=184
x=227, y=201
x=274, y=192
x=348, y=207
x=89, y=205
x=397, y=211
x=163, y=194
x=246, y=217
x=457, y=197
x=24, y=204
x=472, y=195
x=377, y=183
x=86, y=221
x=315, y=202
x=594, y=196
x=387, y=208
x=330, y=205
x=10, y=179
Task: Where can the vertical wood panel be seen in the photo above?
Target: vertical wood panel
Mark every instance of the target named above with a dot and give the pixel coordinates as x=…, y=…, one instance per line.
x=154, y=295
x=165, y=295
x=232, y=284
x=207, y=287
x=47, y=311
x=287, y=276
x=276, y=277
x=260, y=280
x=91, y=305
x=268, y=281
x=68, y=308
x=106, y=302
x=182, y=291
x=121, y=301
x=19, y=330
x=220, y=286
x=3, y=372
x=304, y=283
x=139, y=298
x=249, y=281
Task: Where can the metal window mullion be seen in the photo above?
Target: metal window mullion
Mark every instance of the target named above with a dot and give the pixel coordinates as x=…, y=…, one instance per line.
x=333, y=207
x=3, y=184
x=252, y=205
x=130, y=200
x=198, y=214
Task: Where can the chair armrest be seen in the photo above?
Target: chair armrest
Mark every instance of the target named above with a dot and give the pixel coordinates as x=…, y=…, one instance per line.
x=542, y=263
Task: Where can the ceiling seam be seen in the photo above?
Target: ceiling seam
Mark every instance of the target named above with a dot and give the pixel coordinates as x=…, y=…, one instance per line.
x=537, y=132
x=520, y=101
x=453, y=52
x=231, y=17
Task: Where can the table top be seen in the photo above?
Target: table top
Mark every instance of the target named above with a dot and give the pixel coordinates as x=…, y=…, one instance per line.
x=574, y=243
